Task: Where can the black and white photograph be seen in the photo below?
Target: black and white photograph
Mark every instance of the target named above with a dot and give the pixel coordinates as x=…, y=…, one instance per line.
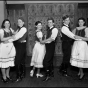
x=43, y=43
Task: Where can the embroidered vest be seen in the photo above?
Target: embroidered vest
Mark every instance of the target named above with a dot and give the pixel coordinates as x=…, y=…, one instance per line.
x=80, y=32
x=7, y=34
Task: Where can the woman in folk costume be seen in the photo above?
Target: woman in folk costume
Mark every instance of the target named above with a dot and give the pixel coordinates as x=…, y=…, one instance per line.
x=79, y=55
x=38, y=51
x=7, y=50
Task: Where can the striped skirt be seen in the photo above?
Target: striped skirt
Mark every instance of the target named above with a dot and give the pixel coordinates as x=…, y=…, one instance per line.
x=7, y=55
x=79, y=55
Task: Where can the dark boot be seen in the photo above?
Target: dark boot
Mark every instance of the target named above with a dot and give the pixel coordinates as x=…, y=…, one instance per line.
x=22, y=70
x=47, y=76
x=63, y=70
x=18, y=78
x=18, y=74
x=52, y=71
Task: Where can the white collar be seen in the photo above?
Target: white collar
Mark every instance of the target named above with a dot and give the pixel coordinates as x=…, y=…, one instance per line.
x=66, y=25
x=51, y=27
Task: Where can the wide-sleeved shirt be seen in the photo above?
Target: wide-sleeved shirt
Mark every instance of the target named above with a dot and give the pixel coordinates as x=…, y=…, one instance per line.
x=19, y=34
x=54, y=34
x=65, y=30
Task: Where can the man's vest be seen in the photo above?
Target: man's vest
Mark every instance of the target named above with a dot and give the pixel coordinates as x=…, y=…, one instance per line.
x=65, y=37
x=49, y=33
x=24, y=37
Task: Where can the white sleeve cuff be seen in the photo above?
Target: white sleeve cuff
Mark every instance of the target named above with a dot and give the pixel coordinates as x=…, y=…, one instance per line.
x=10, y=40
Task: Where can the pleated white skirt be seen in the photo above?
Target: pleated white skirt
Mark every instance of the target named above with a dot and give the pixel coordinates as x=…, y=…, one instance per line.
x=7, y=55
x=79, y=55
x=38, y=55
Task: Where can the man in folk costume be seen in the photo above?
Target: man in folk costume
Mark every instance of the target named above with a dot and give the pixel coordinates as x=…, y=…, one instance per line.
x=67, y=37
x=20, y=44
x=50, y=49
x=66, y=45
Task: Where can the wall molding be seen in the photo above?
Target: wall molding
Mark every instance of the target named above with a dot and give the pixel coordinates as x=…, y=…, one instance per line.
x=22, y=2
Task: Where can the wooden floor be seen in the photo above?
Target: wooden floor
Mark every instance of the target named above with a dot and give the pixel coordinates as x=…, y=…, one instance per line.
x=57, y=81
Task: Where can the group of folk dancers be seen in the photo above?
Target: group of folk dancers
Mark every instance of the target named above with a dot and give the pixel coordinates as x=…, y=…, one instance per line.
x=13, y=48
